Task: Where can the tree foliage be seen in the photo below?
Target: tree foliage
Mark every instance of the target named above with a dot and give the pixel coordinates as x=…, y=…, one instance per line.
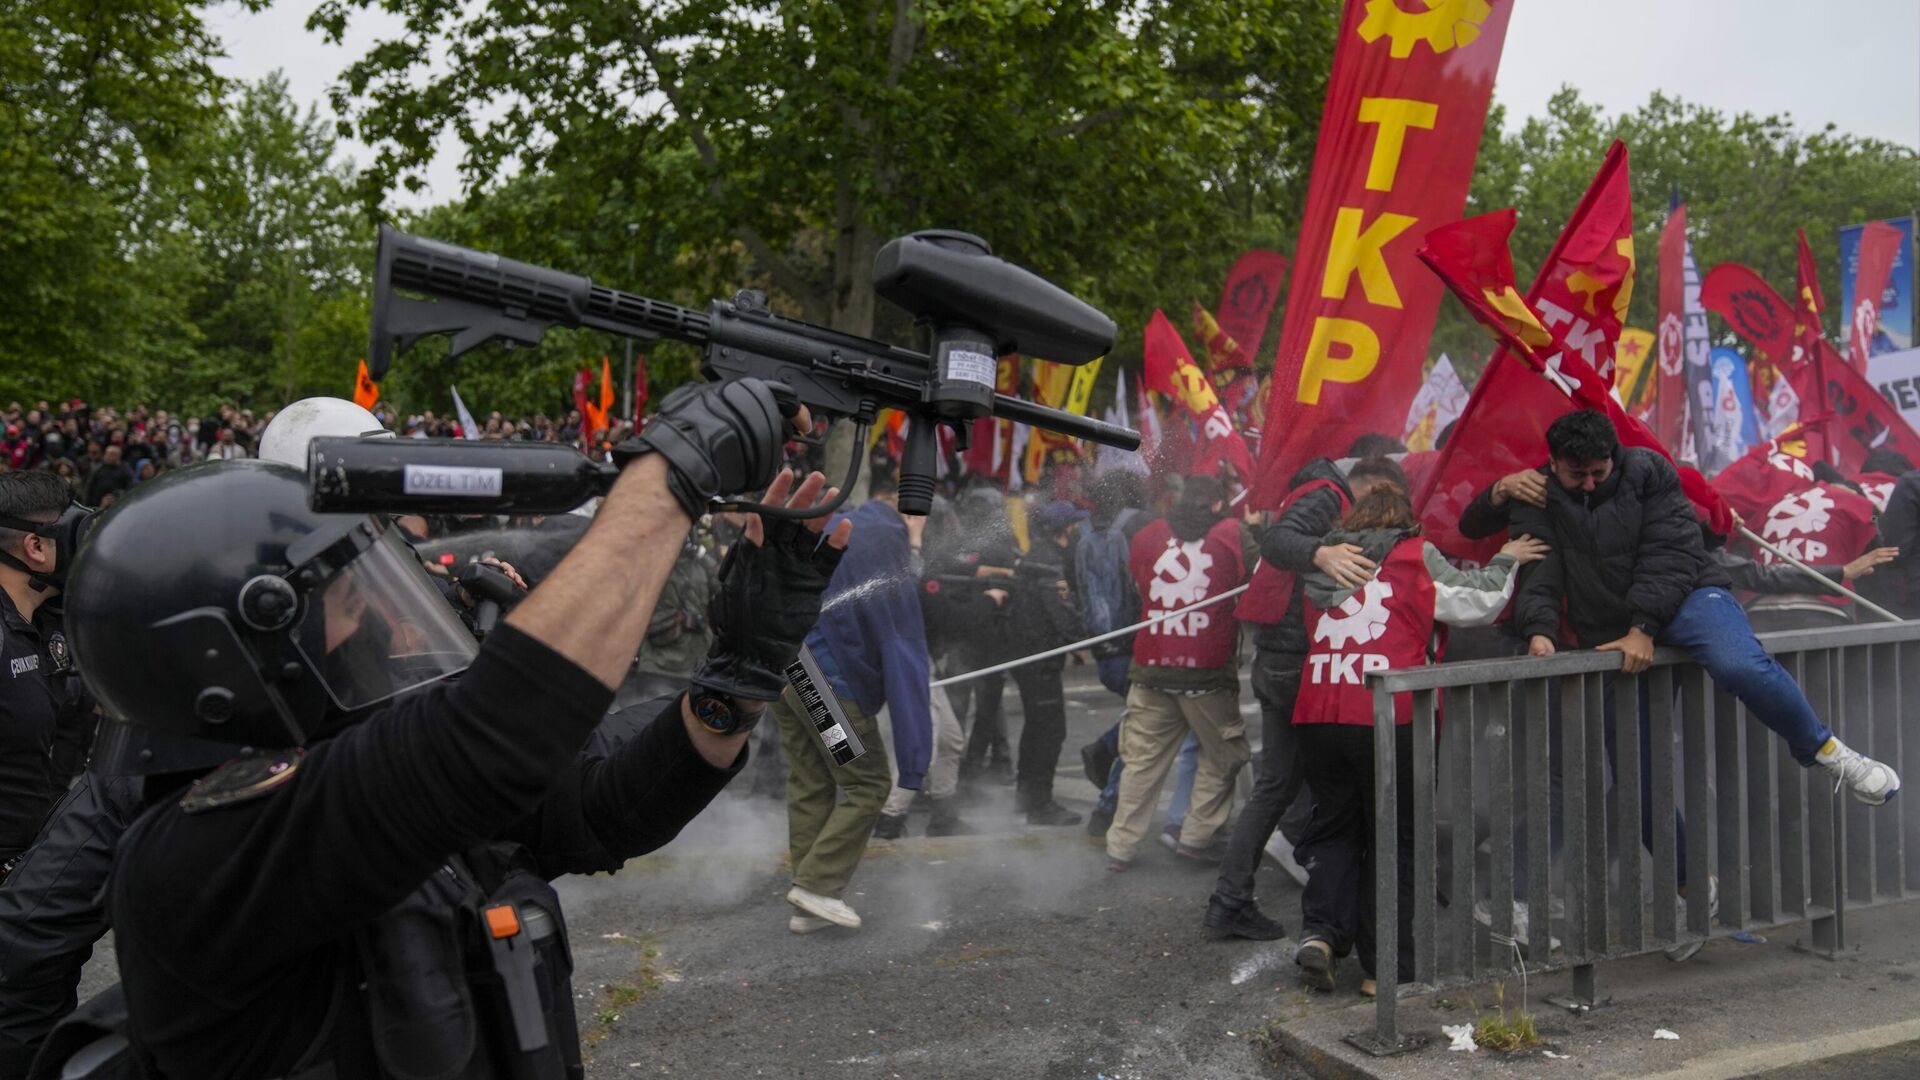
x=1128, y=151
x=1748, y=183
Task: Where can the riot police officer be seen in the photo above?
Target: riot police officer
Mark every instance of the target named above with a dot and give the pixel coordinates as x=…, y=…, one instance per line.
x=41, y=710
x=361, y=890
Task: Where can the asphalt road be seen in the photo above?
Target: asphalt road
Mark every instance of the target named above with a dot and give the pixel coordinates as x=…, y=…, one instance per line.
x=1013, y=953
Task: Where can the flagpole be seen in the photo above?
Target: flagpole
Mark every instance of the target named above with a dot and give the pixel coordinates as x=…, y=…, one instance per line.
x=1822, y=578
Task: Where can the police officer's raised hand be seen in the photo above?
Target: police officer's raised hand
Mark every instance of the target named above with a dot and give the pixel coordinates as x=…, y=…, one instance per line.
x=769, y=595
x=1346, y=564
x=718, y=439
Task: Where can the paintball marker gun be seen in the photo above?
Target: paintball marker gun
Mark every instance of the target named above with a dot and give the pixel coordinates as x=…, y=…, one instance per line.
x=975, y=307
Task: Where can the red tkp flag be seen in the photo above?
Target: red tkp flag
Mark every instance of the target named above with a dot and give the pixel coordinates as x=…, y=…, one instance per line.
x=1247, y=298
x=1879, y=243
x=1771, y=470
x=1170, y=370
x=1553, y=341
x=365, y=391
x=1670, y=395
x=1863, y=421
x=1752, y=308
x=1405, y=109
x=1809, y=305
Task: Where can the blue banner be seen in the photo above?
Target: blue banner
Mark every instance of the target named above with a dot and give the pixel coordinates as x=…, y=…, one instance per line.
x=1725, y=397
x=1896, y=305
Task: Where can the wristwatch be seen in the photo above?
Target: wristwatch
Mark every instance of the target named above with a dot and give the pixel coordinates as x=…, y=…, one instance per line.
x=722, y=714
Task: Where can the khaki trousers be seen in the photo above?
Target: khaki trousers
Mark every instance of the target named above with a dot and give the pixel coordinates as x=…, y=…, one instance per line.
x=1151, y=731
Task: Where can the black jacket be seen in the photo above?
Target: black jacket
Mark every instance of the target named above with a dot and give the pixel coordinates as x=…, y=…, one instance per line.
x=1897, y=585
x=1289, y=544
x=1626, y=556
x=52, y=912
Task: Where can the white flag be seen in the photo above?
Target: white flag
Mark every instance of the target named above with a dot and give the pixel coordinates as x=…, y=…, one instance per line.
x=468, y=428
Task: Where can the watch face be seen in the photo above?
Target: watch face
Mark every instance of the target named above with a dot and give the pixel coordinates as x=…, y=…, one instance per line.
x=714, y=712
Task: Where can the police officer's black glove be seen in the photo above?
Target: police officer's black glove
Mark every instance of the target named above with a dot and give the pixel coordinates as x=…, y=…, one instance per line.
x=718, y=439
x=769, y=598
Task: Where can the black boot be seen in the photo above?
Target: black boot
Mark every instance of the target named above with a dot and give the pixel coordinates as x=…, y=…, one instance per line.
x=1228, y=920
x=1098, y=760
x=890, y=827
x=1099, y=822
x=946, y=820
x=1051, y=813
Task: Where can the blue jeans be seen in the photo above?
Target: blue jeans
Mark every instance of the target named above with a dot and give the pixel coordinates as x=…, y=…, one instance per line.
x=1184, y=767
x=1712, y=626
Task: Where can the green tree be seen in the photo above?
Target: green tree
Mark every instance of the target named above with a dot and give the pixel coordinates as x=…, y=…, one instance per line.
x=94, y=96
x=280, y=244
x=1748, y=182
x=1129, y=152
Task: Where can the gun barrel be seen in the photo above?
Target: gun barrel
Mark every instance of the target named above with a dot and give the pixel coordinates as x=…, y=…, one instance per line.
x=451, y=272
x=1065, y=423
x=449, y=476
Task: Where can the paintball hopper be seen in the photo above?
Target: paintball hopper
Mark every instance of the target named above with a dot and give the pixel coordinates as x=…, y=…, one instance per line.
x=975, y=307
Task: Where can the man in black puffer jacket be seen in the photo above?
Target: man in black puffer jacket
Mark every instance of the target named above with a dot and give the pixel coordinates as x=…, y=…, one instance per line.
x=1628, y=562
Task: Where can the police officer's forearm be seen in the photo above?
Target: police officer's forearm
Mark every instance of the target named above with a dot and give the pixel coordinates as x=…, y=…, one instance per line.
x=595, y=606
x=719, y=751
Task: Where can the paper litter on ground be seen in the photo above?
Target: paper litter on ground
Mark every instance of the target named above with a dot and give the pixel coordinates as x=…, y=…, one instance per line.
x=1462, y=1036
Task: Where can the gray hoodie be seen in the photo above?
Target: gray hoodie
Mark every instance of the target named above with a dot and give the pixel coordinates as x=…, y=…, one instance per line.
x=1460, y=597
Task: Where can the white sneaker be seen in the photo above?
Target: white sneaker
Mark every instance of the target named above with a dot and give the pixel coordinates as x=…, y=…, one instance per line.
x=1872, y=782
x=1281, y=851
x=1686, y=950
x=806, y=924
x=832, y=909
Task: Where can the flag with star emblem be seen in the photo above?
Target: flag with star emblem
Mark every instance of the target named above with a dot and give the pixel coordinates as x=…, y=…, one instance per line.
x=1557, y=341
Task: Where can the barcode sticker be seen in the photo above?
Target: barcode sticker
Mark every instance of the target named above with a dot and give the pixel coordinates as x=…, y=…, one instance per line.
x=823, y=710
x=966, y=365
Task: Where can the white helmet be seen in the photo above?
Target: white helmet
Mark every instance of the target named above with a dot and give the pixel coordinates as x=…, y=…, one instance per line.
x=293, y=427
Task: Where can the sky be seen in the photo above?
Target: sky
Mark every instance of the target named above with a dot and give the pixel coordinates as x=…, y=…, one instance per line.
x=1852, y=63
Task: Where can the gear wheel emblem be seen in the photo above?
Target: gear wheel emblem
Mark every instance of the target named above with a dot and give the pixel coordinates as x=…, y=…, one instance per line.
x=1363, y=617
x=1445, y=24
x=1805, y=513
x=1180, y=575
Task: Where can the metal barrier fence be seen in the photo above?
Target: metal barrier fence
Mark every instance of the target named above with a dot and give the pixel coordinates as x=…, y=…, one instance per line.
x=1784, y=845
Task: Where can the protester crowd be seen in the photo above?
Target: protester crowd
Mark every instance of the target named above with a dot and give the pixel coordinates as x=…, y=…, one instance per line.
x=1182, y=585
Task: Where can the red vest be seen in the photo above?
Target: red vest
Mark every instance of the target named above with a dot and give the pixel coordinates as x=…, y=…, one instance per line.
x=1387, y=624
x=1172, y=574
x=1270, y=593
x=1822, y=525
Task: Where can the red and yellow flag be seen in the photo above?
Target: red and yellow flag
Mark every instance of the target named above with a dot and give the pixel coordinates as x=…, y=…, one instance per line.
x=1405, y=109
x=1170, y=370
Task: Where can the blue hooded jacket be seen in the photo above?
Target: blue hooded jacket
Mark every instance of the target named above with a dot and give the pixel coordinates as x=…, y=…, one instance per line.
x=871, y=641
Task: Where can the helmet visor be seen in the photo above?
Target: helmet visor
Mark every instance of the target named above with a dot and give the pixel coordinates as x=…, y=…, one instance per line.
x=376, y=627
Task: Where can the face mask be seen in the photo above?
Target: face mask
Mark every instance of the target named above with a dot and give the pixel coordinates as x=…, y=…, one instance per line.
x=67, y=532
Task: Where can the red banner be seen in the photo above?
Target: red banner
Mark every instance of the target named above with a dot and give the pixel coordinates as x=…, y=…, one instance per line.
x=1247, y=299
x=1809, y=306
x=1170, y=370
x=1406, y=107
x=1879, y=243
x=1670, y=396
x=1863, y=421
x=1752, y=308
x=1773, y=470
x=1556, y=340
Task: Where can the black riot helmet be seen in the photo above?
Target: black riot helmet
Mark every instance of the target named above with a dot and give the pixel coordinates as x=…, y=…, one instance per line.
x=213, y=605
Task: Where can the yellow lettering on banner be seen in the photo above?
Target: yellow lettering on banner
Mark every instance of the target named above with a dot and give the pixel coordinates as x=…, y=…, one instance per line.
x=1356, y=251
x=1322, y=367
x=1395, y=116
